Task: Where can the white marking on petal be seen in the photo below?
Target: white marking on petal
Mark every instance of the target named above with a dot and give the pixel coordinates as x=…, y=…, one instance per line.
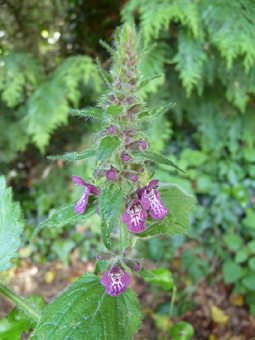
x=135, y=216
x=158, y=208
x=116, y=286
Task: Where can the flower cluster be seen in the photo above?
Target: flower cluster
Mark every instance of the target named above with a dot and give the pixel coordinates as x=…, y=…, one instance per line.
x=148, y=199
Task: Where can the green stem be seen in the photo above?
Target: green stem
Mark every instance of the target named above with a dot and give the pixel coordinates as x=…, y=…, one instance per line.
x=171, y=309
x=33, y=313
x=172, y=303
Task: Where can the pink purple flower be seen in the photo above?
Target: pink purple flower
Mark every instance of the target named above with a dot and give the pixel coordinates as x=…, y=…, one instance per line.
x=111, y=129
x=150, y=198
x=115, y=281
x=80, y=206
x=125, y=158
x=111, y=175
x=134, y=178
x=134, y=216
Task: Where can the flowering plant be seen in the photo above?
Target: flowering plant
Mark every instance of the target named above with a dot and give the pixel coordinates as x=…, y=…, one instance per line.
x=130, y=204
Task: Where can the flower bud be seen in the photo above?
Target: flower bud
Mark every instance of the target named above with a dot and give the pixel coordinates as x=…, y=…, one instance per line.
x=125, y=158
x=137, y=145
x=134, y=178
x=141, y=170
x=126, y=252
x=111, y=175
x=137, y=267
x=130, y=100
x=128, y=140
x=143, y=145
x=111, y=129
x=130, y=133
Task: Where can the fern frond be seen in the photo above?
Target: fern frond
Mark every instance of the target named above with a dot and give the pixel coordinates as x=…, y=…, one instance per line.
x=231, y=29
x=48, y=106
x=156, y=15
x=20, y=74
x=189, y=60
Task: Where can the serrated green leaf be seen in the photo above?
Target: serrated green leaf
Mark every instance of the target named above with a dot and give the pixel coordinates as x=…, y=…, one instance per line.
x=88, y=112
x=155, y=157
x=10, y=226
x=231, y=272
x=106, y=76
x=18, y=322
x=108, y=48
x=85, y=312
x=162, y=277
x=179, y=205
x=148, y=80
x=114, y=110
x=107, y=146
x=63, y=216
x=75, y=156
x=109, y=209
x=155, y=112
x=182, y=331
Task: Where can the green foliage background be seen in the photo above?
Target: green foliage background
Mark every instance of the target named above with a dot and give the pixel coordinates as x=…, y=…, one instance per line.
x=206, y=54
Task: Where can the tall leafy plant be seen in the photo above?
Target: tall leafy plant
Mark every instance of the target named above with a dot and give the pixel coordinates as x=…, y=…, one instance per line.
x=129, y=202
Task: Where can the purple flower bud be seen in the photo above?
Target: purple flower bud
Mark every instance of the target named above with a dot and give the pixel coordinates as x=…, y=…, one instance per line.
x=143, y=145
x=98, y=212
x=111, y=175
x=134, y=216
x=115, y=281
x=135, y=108
x=89, y=188
x=125, y=158
x=128, y=140
x=130, y=100
x=126, y=252
x=137, y=267
x=141, y=170
x=112, y=97
x=130, y=133
x=137, y=145
x=99, y=257
x=111, y=129
x=134, y=178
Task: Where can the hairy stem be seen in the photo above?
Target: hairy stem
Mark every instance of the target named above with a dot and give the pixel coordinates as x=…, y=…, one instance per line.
x=32, y=312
